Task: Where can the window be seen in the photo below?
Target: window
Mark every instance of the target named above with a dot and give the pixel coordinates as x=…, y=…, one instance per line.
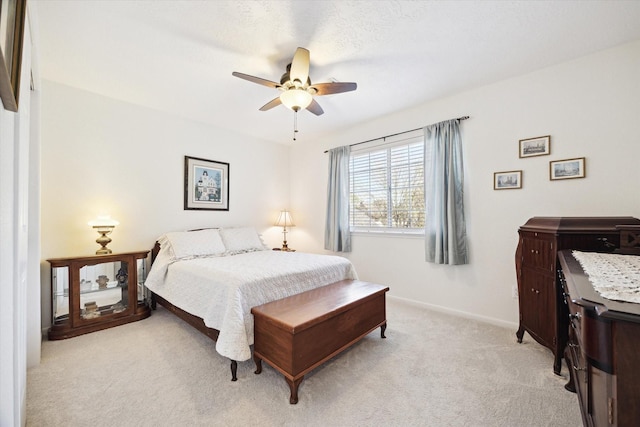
x=387, y=187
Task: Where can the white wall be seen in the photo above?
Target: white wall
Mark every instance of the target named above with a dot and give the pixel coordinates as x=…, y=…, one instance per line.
x=100, y=155
x=589, y=107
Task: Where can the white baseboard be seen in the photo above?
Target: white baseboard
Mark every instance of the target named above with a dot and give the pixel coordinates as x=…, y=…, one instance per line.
x=464, y=314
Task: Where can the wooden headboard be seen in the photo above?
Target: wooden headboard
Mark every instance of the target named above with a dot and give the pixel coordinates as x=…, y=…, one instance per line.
x=154, y=252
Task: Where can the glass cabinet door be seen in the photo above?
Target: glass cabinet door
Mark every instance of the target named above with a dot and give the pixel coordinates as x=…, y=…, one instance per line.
x=60, y=292
x=103, y=289
x=97, y=292
x=142, y=276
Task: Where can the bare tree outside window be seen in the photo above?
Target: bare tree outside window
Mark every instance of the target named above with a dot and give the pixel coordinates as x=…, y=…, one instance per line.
x=387, y=188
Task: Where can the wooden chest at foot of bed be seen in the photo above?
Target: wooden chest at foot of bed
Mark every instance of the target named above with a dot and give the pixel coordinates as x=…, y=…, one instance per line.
x=298, y=333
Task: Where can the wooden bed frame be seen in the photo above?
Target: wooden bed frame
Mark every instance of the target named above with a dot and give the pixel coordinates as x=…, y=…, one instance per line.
x=192, y=320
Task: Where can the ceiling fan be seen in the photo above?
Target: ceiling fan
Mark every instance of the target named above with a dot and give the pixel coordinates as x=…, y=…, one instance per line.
x=296, y=87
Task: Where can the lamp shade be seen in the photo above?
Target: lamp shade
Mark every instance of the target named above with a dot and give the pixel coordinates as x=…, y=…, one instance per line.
x=285, y=220
x=103, y=221
x=296, y=99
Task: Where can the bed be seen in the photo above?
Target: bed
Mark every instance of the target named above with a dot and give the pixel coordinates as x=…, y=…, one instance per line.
x=212, y=278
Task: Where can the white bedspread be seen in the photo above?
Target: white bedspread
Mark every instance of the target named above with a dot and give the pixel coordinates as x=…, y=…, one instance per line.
x=222, y=290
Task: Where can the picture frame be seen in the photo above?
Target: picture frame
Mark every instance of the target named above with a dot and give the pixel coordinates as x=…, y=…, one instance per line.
x=567, y=169
x=538, y=146
x=206, y=184
x=508, y=180
x=12, y=24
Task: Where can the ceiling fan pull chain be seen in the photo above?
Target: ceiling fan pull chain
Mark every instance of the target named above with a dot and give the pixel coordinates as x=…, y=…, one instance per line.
x=295, y=124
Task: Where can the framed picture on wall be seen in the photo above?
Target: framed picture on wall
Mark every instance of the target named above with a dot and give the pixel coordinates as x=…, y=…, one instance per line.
x=509, y=180
x=538, y=146
x=567, y=169
x=206, y=184
x=12, y=17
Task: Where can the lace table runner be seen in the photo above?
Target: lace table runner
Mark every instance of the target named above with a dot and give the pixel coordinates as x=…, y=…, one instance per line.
x=613, y=276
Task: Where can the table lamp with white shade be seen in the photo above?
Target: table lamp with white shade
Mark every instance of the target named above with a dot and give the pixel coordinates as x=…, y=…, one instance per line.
x=284, y=221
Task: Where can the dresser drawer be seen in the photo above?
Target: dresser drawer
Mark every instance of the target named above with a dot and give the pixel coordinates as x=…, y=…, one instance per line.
x=575, y=313
x=575, y=322
x=578, y=366
x=592, y=336
x=538, y=251
x=597, y=341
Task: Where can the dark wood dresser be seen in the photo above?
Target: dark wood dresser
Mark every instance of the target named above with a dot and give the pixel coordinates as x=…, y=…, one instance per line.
x=543, y=313
x=603, y=352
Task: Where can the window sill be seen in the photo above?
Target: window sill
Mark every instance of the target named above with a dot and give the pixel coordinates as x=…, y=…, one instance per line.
x=394, y=234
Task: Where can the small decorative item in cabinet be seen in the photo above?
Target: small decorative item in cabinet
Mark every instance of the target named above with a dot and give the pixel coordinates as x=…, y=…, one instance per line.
x=96, y=292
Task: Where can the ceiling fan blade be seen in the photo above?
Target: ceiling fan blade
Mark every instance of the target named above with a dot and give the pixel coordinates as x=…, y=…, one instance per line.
x=315, y=108
x=300, y=66
x=331, y=88
x=269, y=105
x=258, y=80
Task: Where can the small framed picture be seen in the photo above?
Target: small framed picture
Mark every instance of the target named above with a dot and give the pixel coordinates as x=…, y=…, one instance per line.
x=567, y=169
x=206, y=184
x=539, y=146
x=509, y=180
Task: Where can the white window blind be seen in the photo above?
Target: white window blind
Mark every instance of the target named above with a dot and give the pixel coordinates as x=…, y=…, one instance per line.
x=387, y=187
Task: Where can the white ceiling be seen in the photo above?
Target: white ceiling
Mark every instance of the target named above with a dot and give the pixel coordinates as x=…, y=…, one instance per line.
x=177, y=56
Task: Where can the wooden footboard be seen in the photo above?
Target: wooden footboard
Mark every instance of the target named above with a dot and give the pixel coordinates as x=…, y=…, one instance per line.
x=194, y=321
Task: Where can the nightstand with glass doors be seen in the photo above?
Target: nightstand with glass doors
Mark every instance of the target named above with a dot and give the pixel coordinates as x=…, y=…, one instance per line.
x=96, y=292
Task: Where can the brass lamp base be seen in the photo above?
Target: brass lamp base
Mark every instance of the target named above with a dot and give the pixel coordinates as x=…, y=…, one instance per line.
x=286, y=248
x=103, y=241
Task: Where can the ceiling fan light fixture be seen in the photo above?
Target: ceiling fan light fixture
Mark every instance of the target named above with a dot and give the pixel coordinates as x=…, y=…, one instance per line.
x=296, y=91
x=296, y=99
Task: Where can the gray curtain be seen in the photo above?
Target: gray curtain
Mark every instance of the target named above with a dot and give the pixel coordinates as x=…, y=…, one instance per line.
x=445, y=230
x=337, y=237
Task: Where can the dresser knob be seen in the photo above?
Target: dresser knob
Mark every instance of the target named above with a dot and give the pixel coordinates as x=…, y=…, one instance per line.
x=576, y=316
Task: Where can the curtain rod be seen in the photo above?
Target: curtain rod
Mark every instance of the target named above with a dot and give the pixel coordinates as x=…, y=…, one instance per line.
x=396, y=134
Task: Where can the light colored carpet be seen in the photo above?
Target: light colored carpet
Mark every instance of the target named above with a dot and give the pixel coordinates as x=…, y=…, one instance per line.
x=433, y=369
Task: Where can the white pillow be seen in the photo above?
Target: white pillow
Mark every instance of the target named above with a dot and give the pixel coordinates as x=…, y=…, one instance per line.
x=242, y=239
x=194, y=244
